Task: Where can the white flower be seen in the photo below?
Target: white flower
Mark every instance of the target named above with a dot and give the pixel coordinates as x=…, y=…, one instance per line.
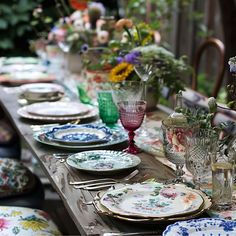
x=76, y=15
x=103, y=36
x=124, y=38
x=73, y=37
x=79, y=24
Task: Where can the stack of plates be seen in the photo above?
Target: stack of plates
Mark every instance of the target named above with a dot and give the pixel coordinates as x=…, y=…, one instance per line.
x=152, y=202
x=58, y=111
x=87, y=136
x=39, y=92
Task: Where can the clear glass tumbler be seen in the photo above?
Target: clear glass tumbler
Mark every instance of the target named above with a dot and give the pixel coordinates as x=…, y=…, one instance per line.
x=201, y=147
x=222, y=167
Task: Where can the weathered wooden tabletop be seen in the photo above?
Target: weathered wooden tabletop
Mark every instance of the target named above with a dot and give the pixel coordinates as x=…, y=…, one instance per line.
x=88, y=221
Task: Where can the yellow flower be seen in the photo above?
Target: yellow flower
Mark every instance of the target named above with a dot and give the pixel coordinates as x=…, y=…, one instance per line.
x=120, y=72
x=35, y=225
x=147, y=34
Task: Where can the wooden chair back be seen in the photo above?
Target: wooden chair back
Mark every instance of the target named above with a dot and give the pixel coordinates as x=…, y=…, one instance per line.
x=217, y=44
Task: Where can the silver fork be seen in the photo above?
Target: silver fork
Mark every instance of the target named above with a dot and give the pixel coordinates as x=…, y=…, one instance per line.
x=101, y=183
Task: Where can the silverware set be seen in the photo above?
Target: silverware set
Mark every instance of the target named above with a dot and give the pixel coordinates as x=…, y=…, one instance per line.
x=97, y=184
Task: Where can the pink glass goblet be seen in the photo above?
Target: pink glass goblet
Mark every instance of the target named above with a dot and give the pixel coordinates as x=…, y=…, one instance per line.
x=131, y=117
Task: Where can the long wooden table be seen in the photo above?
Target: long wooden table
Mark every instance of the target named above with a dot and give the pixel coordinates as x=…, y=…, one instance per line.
x=88, y=221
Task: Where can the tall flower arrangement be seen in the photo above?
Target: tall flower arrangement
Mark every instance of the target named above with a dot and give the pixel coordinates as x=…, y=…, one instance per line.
x=138, y=46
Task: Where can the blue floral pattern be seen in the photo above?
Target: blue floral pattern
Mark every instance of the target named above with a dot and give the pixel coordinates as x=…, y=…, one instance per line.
x=204, y=226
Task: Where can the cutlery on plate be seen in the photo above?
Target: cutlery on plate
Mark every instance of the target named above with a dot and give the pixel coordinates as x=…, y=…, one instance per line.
x=97, y=184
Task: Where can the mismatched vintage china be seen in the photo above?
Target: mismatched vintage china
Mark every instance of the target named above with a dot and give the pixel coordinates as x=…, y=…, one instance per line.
x=147, y=220
x=118, y=137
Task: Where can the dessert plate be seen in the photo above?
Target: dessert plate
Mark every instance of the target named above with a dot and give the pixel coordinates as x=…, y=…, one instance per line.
x=200, y=227
x=152, y=200
x=79, y=134
x=103, y=161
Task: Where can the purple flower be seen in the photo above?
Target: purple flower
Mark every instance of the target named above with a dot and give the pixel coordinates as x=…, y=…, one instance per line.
x=119, y=59
x=132, y=57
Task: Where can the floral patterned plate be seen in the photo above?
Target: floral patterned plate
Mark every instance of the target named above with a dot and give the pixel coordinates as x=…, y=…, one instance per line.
x=79, y=134
x=145, y=220
x=103, y=161
x=200, y=227
x=152, y=200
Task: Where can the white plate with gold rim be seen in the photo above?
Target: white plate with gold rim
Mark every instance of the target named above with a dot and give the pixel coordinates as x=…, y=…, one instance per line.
x=92, y=114
x=57, y=109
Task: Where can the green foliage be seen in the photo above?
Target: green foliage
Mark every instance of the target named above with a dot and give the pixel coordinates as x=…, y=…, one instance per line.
x=161, y=11
x=14, y=22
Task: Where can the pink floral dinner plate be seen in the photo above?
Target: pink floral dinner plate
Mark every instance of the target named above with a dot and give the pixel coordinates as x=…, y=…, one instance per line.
x=152, y=200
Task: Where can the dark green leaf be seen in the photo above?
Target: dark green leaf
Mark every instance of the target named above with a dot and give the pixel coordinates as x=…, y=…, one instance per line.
x=6, y=44
x=3, y=24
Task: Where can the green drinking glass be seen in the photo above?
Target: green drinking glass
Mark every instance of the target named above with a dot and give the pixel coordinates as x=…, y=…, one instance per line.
x=108, y=111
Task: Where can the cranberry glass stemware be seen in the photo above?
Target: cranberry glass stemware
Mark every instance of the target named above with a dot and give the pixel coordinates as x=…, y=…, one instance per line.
x=131, y=117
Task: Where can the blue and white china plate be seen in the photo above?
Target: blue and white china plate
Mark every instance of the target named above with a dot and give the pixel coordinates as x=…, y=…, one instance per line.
x=118, y=136
x=202, y=227
x=103, y=161
x=152, y=200
x=79, y=134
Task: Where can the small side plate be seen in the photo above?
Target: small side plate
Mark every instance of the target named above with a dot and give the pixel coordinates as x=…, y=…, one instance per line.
x=103, y=161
